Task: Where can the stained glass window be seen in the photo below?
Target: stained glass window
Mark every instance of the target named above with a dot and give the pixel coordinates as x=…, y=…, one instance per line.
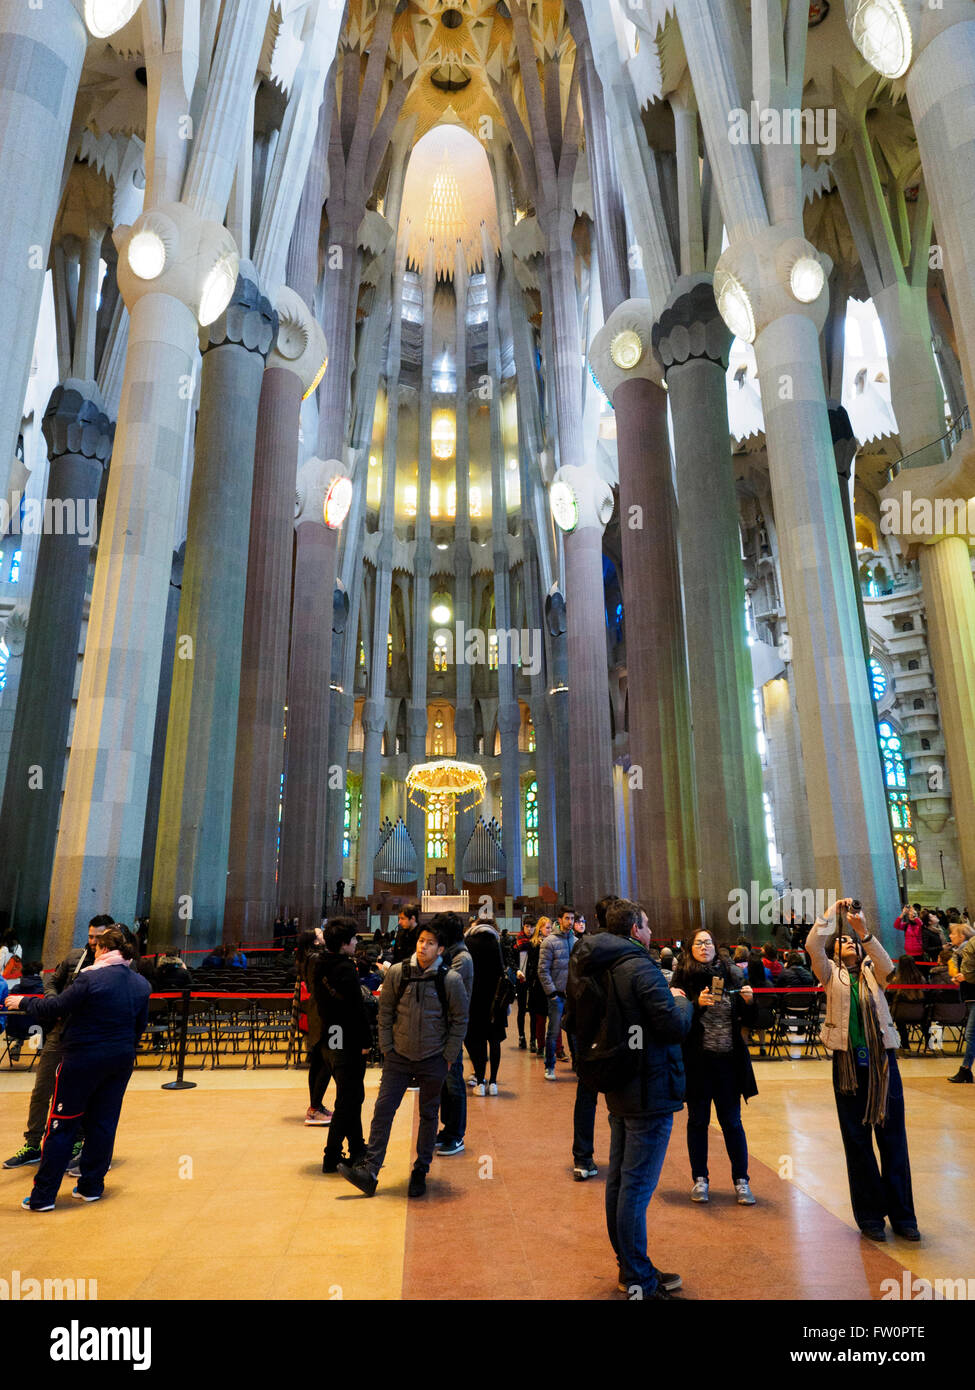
x=493, y=651
x=878, y=679
x=438, y=827
x=531, y=736
x=890, y=747
x=898, y=799
x=531, y=821
x=347, y=827
x=4, y=654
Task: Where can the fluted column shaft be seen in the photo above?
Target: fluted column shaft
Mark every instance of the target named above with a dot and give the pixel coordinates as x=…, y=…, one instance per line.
x=79, y=440
x=417, y=714
x=193, y=841
x=252, y=894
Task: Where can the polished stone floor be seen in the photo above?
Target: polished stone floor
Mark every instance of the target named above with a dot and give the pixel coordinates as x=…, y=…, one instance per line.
x=217, y=1193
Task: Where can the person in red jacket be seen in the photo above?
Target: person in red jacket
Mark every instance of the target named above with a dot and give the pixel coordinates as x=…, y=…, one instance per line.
x=909, y=922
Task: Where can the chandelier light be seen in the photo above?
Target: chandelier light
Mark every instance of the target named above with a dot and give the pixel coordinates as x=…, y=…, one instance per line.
x=734, y=305
x=106, y=17
x=464, y=782
x=881, y=31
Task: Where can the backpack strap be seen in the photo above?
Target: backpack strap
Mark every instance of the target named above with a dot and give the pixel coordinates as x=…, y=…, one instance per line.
x=439, y=979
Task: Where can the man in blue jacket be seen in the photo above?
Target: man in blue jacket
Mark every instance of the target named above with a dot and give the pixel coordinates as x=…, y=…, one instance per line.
x=641, y=1113
x=105, y=1009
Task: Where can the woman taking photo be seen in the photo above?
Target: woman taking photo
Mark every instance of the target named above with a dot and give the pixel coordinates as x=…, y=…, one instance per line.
x=537, y=1003
x=853, y=968
x=716, y=1060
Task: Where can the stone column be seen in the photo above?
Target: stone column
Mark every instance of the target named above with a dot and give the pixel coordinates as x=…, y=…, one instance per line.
x=293, y=366
x=41, y=53
x=417, y=710
x=79, y=440
x=656, y=663
x=787, y=783
x=193, y=840
x=301, y=878
x=151, y=829
x=692, y=341
x=463, y=703
x=15, y=637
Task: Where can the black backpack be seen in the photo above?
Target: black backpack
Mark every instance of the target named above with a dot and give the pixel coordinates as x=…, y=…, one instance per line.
x=408, y=974
x=605, y=1055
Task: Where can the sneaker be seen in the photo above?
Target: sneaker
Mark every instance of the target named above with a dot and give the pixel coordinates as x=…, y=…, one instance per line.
x=25, y=1154
x=480, y=1089
x=745, y=1197
x=438, y=1143
x=532, y=1047
x=963, y=1075
x=451, y=1147
x=418, y=1183
x=73, y=1170
x=472, y=1081
x=359, y=1176
x=670, y=1283
x=318, y=1117
x=27, y=1206
x=493, y=1088
x=582, y=1171
x=549, y=1073
x=83, y=1196
x=330, y=1165
x=699, y=1192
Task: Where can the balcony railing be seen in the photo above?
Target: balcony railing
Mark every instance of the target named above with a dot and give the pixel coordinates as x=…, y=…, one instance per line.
x=937, y=452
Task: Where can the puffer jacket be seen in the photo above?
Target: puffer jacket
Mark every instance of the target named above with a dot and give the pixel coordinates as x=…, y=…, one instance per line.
x=414, y=1026
x=874, y=973
x=458, y=958
x=913, y=937
x=553, y=962
x=645, y=1001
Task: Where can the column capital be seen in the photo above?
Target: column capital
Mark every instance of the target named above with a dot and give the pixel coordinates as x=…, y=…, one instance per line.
x=620, y=351
x=771, y=275
x=171, y=250
x=690, y=325
x=591, y=494
x=300, y=346
x=15, y=633
x=509, y=718
x=315, y=479
x=373, y=716
x=75, y=422
x=249, y=320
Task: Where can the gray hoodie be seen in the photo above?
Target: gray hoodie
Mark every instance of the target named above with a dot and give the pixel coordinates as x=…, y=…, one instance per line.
x=415, y=1027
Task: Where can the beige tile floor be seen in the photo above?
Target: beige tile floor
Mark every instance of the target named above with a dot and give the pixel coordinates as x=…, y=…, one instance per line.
x=217, y=1192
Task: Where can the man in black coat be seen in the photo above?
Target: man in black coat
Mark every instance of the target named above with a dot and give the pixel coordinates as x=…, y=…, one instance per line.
x=346, y=1037
x=641, y=1112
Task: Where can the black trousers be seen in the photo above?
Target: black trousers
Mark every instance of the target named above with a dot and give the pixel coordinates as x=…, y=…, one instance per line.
x=348, y=1071
x=584, y=1123
x=88, y=1088
x=876, y=1191
x=478, y=1046
x=521, y=994
x=319, y=1074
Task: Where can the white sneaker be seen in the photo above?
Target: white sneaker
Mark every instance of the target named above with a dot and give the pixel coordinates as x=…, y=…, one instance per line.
x=745, y=1198
x=472, y=1081
x=480, y=1090
x=550, y=1074
x=699, y=1192
x=493, y=1088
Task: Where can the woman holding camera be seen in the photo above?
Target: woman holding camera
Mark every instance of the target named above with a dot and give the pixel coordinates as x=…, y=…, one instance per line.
x=853, y=968
x=716, y=1061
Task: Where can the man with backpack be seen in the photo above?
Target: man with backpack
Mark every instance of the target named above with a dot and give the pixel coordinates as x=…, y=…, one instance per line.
x=629, y=1028
x=422, y=1022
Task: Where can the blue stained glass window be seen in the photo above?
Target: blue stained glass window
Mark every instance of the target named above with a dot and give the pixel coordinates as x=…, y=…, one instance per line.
x=4, y=653
x=878, y=679
x=895, y=774
x=531, y=821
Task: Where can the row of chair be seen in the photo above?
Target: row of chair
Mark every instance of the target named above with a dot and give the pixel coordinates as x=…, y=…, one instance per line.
x=793, y=1022
x=251, y=1030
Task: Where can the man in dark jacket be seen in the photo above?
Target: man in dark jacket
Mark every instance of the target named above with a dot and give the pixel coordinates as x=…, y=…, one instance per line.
x=77, y=959
x=641, y=1113
x=407, y=931
x=422, y=1022
x=345, y=1037
x=105, y=1011
x=453, y=1098
x=584, y=1111
x=553, y=974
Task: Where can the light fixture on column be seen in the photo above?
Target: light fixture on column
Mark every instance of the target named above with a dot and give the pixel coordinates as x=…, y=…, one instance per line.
x=106, y=17
x=564, y=505
x=734, y=305
x=626, y=349
x=881, y=31
x=338, y=500
x=440, y=612
x=147, y=254
x=218, y=287
x=806, y=279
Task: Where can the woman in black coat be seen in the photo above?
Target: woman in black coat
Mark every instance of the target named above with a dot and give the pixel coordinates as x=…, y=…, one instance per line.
x=487, y=1024
x=716, y=1061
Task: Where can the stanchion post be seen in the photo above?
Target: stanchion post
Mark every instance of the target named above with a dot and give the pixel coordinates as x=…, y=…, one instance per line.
x=179, y=1084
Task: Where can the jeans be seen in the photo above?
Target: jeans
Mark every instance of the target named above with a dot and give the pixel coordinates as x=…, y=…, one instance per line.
x=453, y=1102
x=876, y=1192
x=556, y=1005
x=89, y=1088
x=713, y=1079
x=319, y=1074
x=584, y=1123
x=348, y=1071
x=399, y=1073
x=969, y=1056
x=636, y=1156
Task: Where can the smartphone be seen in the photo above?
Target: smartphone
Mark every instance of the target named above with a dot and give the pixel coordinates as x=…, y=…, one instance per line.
x=717, y=987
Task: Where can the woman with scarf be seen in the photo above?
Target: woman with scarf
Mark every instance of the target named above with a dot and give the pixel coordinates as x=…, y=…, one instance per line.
x=105, y=1010
x=853, y=968
x=716, y=1061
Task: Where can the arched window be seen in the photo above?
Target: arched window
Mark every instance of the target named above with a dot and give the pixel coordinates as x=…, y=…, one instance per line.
x=531, y=821
x=898, y=800
x=438, y=827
